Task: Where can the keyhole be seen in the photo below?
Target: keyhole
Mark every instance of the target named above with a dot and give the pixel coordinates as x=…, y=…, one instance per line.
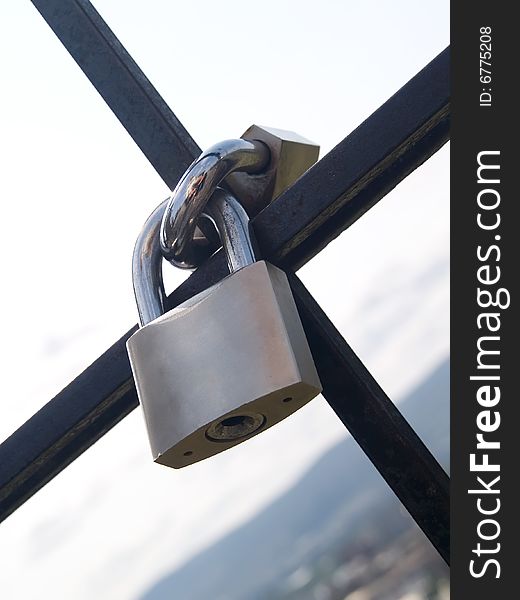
x=234, y=427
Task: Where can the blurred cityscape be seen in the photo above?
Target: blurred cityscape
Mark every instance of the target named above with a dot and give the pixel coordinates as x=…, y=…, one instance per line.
x=338, y=534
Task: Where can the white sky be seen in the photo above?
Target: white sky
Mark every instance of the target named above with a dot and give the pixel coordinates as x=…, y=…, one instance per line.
x=74, y=194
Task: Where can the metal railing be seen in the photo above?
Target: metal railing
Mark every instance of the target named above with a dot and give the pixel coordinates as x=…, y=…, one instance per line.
x=404, y=132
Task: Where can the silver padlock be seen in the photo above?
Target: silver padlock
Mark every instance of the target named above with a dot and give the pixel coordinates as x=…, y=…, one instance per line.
x=229, y=362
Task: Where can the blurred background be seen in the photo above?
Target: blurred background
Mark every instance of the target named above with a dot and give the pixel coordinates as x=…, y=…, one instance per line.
x=297, y=512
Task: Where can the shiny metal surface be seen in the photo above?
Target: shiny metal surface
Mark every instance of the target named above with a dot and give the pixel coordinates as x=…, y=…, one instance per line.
x=227, y=363
x=223, y=366
x=189, y=199
x=147, y=269
x=231, y=222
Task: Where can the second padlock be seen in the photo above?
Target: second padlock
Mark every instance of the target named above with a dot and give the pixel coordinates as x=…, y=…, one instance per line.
x=226, y=364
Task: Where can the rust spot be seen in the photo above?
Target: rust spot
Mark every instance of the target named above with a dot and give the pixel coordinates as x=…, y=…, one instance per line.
x=195, y=185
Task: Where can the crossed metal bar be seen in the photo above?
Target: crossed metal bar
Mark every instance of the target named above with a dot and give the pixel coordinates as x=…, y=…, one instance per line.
x=404, y=132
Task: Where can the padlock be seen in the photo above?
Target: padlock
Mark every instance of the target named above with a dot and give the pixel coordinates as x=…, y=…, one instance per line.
x=226, y=364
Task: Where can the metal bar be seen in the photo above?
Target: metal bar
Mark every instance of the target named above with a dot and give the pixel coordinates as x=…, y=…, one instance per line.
x=405, y=131
x=65, y=427
x=104, y=394
x=123, y=86
x=377, y=425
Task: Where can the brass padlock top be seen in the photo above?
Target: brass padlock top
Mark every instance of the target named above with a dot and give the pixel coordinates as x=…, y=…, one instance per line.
x=231, y=361
x=241, y=365
x=290, y=156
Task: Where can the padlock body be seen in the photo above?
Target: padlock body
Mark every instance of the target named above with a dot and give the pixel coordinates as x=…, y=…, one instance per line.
x=223, y=366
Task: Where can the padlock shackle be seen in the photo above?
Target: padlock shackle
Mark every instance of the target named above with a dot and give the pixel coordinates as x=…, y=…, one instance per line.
x=232, y=223
x=230, y=220
x=194, y=190
x=147, y=269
